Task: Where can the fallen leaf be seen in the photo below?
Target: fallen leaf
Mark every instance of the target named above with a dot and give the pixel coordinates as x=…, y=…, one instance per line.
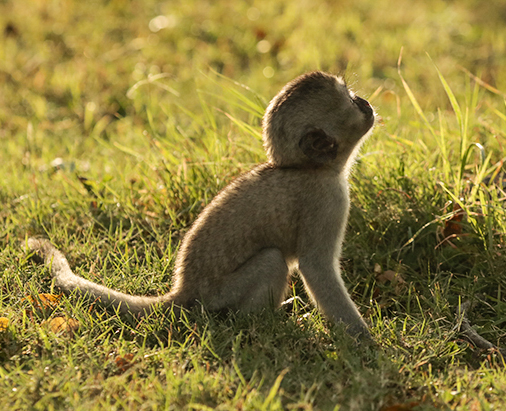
x=4, y=323
x=391, y=276
x=45, y=301
x=394, y=278
x=453, y=226
x=62, y=325
x=124, y=362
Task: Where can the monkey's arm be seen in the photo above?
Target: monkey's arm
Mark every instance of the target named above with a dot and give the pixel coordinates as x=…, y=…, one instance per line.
x=319, y=250
x=69, y=282
x=323, y=279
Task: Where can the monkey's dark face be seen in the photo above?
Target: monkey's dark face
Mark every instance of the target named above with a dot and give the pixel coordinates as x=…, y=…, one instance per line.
x=352, y=115
x=365, y=108
x=315, y=120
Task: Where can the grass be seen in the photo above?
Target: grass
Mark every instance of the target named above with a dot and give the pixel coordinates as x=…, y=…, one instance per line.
x=118, y=126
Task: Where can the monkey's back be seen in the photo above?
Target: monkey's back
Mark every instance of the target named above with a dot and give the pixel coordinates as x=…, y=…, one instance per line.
x=260, y=209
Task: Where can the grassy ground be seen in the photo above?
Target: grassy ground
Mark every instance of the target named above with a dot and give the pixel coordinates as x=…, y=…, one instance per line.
x=117, y=127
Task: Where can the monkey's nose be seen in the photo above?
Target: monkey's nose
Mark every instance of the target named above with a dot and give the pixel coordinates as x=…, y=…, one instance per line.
x=364, y=106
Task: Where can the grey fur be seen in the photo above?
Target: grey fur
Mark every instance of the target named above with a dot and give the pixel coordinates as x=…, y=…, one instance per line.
x=288, y=213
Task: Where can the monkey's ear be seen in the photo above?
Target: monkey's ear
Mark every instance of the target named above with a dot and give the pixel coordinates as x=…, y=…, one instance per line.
x=319, y=146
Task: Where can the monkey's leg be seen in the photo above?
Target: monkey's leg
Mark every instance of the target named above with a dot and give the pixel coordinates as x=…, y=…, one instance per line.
x=327, y=288
x=260, y=282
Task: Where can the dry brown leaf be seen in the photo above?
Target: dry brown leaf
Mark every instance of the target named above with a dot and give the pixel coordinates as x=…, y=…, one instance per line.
x=124, y=362
x=4, y=323
x=45, y=301
x=453, y=226
x=391, y=276
x=62, y=325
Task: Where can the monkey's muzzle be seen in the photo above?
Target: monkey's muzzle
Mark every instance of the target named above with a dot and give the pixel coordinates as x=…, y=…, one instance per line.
x=365, y=108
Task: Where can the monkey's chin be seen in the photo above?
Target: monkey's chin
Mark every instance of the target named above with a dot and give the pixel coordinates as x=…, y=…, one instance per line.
x=369, y=122
x=363, y=133
x=366, y=129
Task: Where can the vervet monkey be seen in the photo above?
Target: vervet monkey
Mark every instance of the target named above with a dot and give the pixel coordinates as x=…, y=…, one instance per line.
x=287, y=213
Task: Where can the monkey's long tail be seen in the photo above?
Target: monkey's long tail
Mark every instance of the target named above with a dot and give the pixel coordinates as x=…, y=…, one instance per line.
x=69, y=282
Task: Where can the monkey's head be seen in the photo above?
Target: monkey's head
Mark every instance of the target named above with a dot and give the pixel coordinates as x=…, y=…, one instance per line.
x=315, y=121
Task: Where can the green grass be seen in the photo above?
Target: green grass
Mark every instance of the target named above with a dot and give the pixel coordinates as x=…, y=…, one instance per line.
x=114, y=136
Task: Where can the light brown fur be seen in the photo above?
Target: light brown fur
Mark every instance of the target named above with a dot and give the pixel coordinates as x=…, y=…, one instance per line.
x=288, y=213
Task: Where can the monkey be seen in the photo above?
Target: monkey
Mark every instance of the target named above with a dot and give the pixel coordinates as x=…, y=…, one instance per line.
x=286, y=214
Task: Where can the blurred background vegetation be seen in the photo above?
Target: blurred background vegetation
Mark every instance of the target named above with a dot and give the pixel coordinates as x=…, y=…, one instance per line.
x=62, y=60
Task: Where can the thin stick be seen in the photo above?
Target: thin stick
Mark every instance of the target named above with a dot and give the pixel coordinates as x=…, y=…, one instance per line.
x=469, y=333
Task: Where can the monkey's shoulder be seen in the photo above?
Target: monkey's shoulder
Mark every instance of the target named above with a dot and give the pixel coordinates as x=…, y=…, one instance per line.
x=267, y=189
x=268, y=177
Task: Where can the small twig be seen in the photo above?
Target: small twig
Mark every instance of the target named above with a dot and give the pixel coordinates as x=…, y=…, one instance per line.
x=447, y=240
x=291, y=303
x=472, y=336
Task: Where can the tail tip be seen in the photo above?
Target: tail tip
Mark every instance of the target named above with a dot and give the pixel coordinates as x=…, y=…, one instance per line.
x=39, y=246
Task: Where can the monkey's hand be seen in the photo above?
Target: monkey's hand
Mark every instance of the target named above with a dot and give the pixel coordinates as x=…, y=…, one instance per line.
x=360, y=332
